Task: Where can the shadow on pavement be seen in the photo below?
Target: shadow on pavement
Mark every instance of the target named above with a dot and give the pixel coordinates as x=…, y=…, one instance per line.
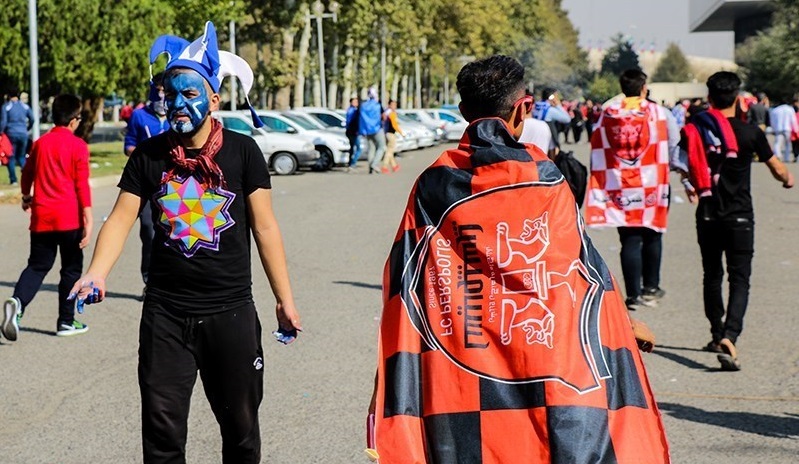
x=54, y=288
x=687, y=362
x=760, y=424
x=359, y=284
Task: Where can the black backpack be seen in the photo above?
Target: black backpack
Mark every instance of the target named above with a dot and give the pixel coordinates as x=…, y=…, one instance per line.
x=575, y=173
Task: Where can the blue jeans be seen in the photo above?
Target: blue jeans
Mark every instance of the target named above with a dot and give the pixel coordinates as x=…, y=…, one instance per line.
x=20, y=143
x=355, y=149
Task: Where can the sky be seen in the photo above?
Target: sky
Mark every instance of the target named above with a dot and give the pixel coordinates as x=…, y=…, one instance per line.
x=646, y=22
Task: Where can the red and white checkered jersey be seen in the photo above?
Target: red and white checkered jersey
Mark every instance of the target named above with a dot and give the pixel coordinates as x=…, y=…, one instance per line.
x=629, y=181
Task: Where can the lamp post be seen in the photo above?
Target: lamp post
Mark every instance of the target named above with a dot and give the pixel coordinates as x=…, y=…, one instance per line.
x=233, y=92
x=319, y=10
x=33, y=38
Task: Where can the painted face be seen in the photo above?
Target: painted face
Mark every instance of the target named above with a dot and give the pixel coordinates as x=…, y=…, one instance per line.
x=187, y=101
x=157, y=100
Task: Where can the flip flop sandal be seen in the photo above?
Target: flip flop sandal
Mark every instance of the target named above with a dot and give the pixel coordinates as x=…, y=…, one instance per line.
x=729, y=362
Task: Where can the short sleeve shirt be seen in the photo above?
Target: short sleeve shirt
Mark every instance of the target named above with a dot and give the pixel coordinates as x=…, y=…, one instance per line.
x=732, y=196
x=200, y=260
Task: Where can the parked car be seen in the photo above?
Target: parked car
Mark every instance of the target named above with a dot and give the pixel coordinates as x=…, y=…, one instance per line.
x=284, y=153
x=333, y=148
x=455, y=124
x=329, y=118
x=422, y=117
x=424, y=137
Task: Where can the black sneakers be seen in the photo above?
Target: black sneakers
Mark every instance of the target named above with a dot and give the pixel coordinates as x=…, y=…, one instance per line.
x=634, y=304
x=653, y=293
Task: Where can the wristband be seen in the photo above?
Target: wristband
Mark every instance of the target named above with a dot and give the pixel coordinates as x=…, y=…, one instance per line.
x=27, y=198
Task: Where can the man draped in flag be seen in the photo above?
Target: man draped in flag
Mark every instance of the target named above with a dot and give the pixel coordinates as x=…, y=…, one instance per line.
x=629, y=183
x=503, y=336
x=718, y=151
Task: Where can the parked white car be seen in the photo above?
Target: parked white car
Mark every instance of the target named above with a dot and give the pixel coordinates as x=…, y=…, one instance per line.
x=420, y=116
x=333, y=148
x=423, y=136
x=329, y=118
x=455, y=124
x=283, y=153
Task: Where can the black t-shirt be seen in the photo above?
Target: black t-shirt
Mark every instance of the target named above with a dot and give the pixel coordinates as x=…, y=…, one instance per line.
x=732, y=197
x=200, y=262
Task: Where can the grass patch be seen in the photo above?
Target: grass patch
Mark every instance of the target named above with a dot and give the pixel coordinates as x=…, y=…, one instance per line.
x=105, y=159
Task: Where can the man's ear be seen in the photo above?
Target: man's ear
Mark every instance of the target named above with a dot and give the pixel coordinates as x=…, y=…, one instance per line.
x=214, y=102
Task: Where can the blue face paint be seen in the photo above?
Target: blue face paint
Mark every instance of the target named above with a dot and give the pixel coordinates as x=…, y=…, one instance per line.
x=187, y=101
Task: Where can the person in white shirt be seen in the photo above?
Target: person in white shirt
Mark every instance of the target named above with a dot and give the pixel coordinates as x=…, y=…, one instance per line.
x=783, y=123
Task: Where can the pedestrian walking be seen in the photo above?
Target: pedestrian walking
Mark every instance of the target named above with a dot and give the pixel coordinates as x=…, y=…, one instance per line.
x=629, y=184
x=57, y=175
x=391, y=127
x=16, y=119
x=210, y=190
x=719, y=149
x=783, y=123
x=503, y=333
x=370, y=126
x=351, y=132
x=143, y=124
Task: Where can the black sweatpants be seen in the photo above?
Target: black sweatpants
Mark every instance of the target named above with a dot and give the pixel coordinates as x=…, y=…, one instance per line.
x=641, y=251
x=226, y=349
x=44, y=246
x=735, y=240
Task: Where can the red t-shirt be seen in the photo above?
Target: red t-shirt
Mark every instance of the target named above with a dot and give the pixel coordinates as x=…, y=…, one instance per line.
x=58, y=169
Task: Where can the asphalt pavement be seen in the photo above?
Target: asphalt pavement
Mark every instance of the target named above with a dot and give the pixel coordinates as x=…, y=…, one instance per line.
x=76, y=400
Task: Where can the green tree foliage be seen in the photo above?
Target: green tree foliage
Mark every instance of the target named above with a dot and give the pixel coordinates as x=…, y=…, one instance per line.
x=603, y=87
x=770, y=59
x=620, y=56
x=673, y=66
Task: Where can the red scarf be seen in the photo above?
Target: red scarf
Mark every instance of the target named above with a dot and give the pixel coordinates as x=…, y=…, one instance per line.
x=203, y=165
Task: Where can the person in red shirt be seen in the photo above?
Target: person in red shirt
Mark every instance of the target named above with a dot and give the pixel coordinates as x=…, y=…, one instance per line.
x=57, y=172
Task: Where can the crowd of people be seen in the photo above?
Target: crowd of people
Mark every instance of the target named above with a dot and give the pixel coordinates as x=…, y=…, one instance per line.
x=544, y=337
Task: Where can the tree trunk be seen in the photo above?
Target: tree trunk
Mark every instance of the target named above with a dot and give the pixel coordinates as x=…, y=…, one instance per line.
x=283, y=95
x=395, y=78
x=348, y=71
x=91, y=106
x=332, y=92
x=302, y=57
x=404, y=91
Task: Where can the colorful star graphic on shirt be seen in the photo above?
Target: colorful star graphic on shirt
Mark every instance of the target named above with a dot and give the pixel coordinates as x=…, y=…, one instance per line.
x=193, y=216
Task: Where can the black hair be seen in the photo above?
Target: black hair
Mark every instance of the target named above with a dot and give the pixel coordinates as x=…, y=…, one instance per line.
x=489, y=87
x=158, y=79
x=547, y=92
x=66, y=107
x=632, y=81
x=13, y=92
x=760, y=97
x=722, y=89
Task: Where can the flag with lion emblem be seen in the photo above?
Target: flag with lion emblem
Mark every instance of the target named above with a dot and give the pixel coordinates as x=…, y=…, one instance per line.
x=503, y=336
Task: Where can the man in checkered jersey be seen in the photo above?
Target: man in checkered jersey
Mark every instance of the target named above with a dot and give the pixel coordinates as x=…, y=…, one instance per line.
x=629, y=183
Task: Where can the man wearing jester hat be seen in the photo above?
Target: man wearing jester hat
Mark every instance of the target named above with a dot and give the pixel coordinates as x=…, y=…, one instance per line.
x=209, y=188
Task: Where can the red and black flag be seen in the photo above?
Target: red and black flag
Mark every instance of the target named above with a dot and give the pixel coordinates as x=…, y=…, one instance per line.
x=504, y=337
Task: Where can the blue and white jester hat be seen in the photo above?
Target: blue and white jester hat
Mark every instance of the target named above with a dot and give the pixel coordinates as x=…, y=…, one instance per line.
x=203, y=55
